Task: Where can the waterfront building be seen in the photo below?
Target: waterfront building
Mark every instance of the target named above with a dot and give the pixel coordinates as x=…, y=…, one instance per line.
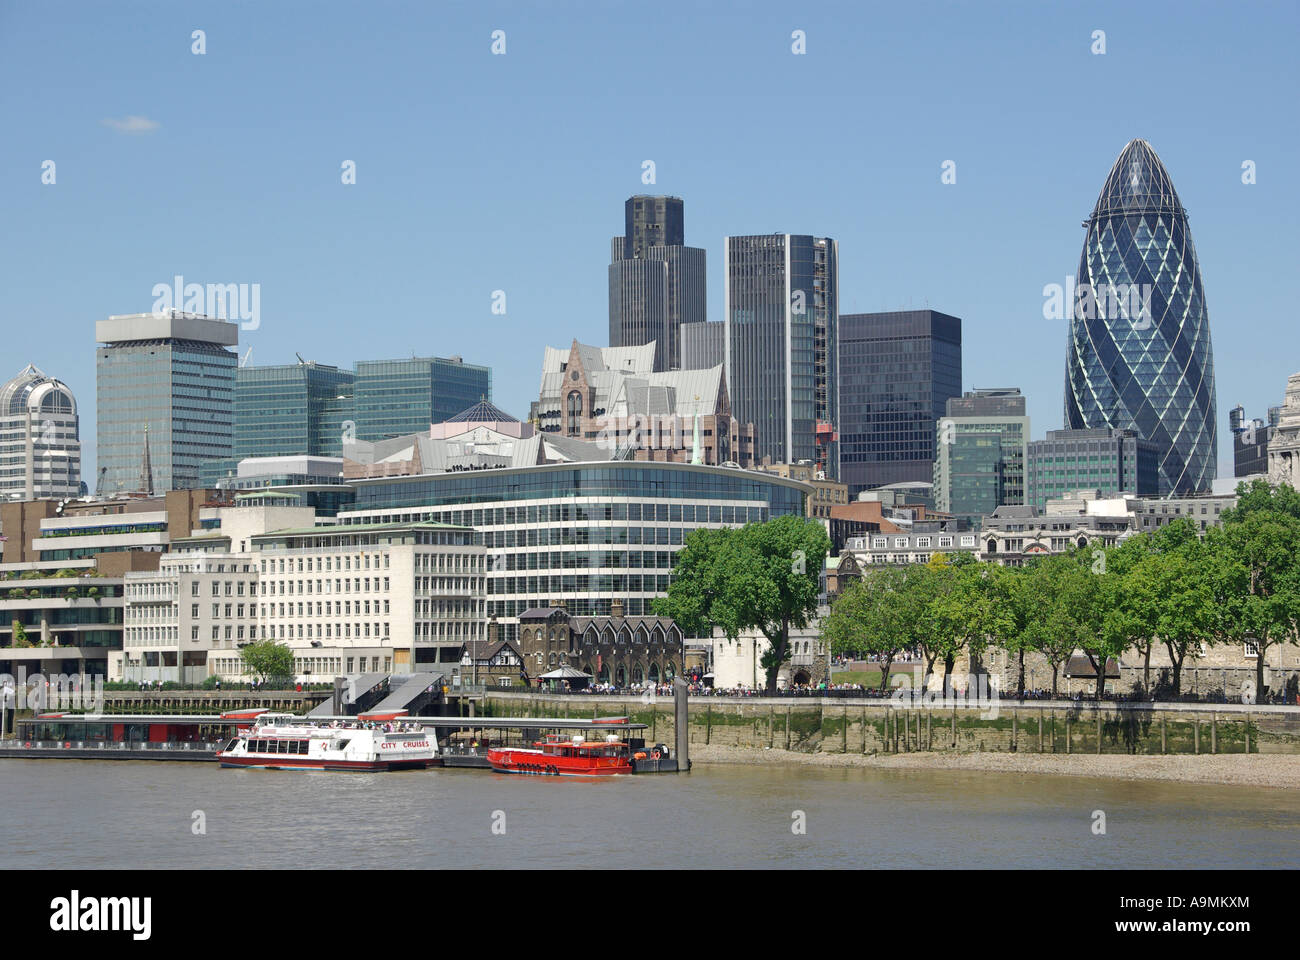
x=165, y=386
x=492, y=662
x=583, y=530
x=40, y=440
x=657, y=284
x=1284, y=444
x=782, y=344
x=738, y=664
x=613, y=396
x=897, y=372
x=391, y=597
x=617, y=649
x=1139, y=355
x=291, y=409
x=393, y=398
x=1109, y=461
x=704, y=345
x=981, y=453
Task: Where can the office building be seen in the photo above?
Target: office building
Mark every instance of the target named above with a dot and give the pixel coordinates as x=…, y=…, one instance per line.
x=291, y=409
x=981, y=453
x=393, y=398
x=1139, y=355
x=1110, y=462
x=1250, y=441
x=165, y=388
x=704, y=345
x=40, y=440
x=657, y=284
x=782, y=342
x=897, y=372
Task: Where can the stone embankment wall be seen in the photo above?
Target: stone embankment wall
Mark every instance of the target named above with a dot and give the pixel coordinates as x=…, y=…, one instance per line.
x=814, y=725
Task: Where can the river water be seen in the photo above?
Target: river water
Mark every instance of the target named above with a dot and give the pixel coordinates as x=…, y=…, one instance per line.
x=138, y=815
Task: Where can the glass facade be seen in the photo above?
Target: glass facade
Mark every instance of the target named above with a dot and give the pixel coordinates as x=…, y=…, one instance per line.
x=182, y=391
x=897, y=372
x=394, y=398
x=1139, y=355
x=291, y=409
x=582, y=534
x=782, y=341
x=1109, y=461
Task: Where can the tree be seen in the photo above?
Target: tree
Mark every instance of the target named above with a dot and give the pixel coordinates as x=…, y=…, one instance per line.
x=969, y=608
x=20, y=635
x=763, y=575
x=873, y=615
x=1255, y=584
x=268, y=661
x=1260, y=496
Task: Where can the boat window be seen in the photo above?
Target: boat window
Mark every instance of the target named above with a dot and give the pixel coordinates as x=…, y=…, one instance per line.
x=342, y=744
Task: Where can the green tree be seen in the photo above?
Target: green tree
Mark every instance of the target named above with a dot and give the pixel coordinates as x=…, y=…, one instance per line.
x=873, y=615
x=20, y=635
x=970, y=608
x=1260, y=496
x=268, y=661
x=764, y=576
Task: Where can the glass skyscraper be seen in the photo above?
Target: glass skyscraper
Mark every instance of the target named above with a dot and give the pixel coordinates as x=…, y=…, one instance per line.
x=1139, y=356
x=898, y=370
x=656, y=282
x=296, y=408
x=782, y=341
x=171, y=376
x=981, y=453
x=1111, y=462
x=393, y=398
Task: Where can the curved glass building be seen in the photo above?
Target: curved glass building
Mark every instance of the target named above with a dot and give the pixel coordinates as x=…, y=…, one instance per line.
x=40, y=440
x=1139, y=356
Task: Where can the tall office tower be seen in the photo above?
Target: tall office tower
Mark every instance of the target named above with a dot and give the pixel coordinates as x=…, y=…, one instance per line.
x=981, y=453
x=782, y=342
x=291, y=409
x=173, y=374
x=897, y=373
x=393, y=398
x=1105, y=461
x=656, y=282
x=1139, y=356
x=40, y=441
x=704, y=345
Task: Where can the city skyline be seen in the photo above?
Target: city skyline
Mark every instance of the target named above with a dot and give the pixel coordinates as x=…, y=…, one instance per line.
x=395, y=264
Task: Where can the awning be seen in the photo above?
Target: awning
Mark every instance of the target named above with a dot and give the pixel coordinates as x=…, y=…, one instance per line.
x=565, y=673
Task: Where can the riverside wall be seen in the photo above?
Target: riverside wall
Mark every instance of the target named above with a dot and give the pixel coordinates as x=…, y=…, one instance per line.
x=826, y=725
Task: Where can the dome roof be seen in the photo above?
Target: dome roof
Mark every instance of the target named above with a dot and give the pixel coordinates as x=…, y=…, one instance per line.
x=1137, y=182
x=33, y=389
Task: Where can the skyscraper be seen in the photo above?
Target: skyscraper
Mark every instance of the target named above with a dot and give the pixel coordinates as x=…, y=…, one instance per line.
x=782, y=342
x=897, y=372
x=1139, y=356
x=981, y=453
x=656, y=282
x=174, y=374
x=40, y=441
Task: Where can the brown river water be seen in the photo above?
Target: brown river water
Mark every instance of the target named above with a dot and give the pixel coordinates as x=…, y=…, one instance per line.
x=67, y=814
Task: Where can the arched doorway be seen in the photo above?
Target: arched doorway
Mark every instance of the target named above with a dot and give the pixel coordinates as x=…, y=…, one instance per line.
x=654, y=673
x=637, y=676
x=801, y=678
x=620, y=678
x=604, y=674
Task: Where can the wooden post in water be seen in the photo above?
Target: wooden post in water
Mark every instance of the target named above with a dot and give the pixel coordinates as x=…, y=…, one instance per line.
x=929, y=741
x=1099, y=728
x=708, y=725
x=1067, y=732
x=954, y=727
x=1015, y=729
x=844, y=741
x=1164, y=738
x=1248, y=731
x=1196, y=736
x=771, y=721
x=681, y=725
x=1040, y=731
x=1214, y=732
x=864, y=727
x=787, y=725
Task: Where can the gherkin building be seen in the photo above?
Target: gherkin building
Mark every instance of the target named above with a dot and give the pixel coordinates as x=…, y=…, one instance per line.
x=1139, y=356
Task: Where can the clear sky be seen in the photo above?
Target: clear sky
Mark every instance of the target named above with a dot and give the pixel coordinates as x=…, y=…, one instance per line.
x=478, y=172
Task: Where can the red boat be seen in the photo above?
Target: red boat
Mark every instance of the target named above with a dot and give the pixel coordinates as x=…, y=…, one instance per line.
x=562, y=756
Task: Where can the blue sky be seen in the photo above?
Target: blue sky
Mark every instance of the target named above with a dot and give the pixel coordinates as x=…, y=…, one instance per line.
x=478, y=172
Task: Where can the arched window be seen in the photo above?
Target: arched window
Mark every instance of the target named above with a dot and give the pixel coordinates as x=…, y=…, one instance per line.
x=575, y=414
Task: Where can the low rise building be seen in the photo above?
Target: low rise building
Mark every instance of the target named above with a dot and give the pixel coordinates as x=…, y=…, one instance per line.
x=624, y=651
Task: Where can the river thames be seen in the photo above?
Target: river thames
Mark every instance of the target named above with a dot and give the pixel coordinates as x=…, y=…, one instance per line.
x=139, y=815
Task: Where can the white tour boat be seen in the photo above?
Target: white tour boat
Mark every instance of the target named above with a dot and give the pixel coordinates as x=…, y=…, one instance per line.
x=281, y=741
